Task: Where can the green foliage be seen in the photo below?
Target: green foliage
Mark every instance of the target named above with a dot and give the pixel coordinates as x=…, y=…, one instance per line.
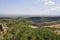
x=19, y=30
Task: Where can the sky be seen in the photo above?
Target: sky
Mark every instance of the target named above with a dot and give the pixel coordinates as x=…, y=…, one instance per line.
x=30, y=7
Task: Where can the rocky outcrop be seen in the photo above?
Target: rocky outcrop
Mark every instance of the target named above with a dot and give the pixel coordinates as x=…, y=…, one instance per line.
x=3, y=28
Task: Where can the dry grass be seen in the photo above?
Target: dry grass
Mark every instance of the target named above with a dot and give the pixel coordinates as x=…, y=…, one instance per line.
x=33, y=26
x=55, y=26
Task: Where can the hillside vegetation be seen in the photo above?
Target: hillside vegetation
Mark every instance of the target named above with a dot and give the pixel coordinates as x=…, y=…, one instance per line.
x=19, y=29
x=44, y=21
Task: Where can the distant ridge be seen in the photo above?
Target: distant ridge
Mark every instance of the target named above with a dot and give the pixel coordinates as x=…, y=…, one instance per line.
x=43, y=19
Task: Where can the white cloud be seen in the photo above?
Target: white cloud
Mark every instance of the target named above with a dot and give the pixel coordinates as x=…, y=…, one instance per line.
x=56, y=9
x=49, y=2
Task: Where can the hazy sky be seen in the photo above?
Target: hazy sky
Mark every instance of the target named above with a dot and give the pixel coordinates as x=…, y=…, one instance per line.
x=30, y=7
